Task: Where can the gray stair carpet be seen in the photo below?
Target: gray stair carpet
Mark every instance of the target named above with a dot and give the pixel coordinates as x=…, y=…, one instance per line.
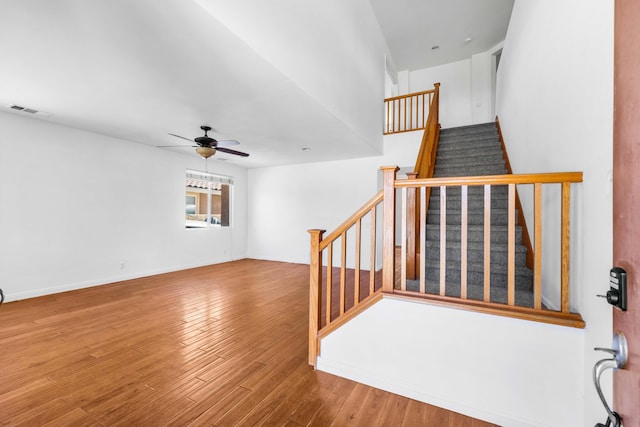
x=469, y=151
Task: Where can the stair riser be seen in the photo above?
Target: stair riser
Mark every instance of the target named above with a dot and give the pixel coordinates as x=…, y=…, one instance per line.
x=498, y=217
x=500, y=280
x=476, y=132
x=497, y=236
x=475, y=258
x=453, y=146
x=472, y=191
x=524, y=298
x=469, y=160
x=475, y=170
x=454, y=206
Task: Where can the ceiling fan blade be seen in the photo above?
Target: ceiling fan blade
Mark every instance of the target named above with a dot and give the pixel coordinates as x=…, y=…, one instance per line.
x=230, y=151
x=227, y=143
x=172, y=146
x=178, y=136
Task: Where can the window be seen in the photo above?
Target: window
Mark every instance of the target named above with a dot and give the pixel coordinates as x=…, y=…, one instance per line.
x=207, y=200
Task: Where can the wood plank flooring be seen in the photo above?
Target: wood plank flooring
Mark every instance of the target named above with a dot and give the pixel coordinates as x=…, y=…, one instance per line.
x=220, y=345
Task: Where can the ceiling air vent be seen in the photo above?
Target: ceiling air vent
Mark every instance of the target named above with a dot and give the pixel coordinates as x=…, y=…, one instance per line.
x=23, y=109
x=29, y=110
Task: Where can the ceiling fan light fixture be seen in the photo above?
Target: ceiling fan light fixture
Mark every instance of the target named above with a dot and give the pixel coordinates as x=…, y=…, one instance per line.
x=205, y=152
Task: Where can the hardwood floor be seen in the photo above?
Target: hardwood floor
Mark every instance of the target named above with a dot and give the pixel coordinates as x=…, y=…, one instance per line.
x=220, y=345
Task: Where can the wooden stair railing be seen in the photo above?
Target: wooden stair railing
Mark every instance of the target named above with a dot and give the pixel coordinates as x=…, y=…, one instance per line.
x=563, y=316
x=358, y=288
x=406, y=113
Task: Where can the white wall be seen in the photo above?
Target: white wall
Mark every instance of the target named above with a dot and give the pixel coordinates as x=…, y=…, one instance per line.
x=286, y=201
x=79, y=209
x=483, y=71
x=507, y=371
x=455, y=90
x=555, y=103
x=466, y=91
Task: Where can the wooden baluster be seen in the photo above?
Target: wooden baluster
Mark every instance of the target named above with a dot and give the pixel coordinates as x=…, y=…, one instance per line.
x=564, y=279
x=388, y=117
x=403, y=240
x=487, y=243
x=396, y=115
x=410, y=113
x=537, y=251
x=423, y=238
x=329, y=289
x=343, y=272
x=443, y=238
x=463, y=242
x=356, y=274
x=372, y=255
x=511, y=245
x=405, y=114
x=388, y=227
x=315, y=293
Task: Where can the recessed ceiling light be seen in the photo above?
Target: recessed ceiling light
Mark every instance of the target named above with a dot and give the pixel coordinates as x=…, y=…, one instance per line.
x=467, y=40
x=435, y=47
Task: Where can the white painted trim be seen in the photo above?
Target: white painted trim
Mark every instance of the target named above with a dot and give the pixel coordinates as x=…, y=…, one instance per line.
x=33, y=293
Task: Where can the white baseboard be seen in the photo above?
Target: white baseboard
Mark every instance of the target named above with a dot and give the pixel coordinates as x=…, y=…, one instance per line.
x=33, y=293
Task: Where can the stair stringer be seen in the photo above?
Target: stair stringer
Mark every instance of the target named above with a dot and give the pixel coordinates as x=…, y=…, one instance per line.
x=503, y=370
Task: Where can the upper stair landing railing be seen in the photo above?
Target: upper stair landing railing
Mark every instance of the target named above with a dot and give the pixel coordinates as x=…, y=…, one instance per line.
x=406, y=113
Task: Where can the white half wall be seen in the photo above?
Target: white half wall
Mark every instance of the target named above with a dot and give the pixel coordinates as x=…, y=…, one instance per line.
x=555, y=103
x=79, y=209
x=507, y=371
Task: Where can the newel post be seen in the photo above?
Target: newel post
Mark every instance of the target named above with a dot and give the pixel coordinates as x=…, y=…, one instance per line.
x=315, y=297
x=388, y=228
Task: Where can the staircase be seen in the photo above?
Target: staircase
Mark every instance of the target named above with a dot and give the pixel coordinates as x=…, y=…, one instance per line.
x=469, y=151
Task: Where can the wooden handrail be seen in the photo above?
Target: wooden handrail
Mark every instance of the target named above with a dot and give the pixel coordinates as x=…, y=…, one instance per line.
x=408, y=95
x=530, y=178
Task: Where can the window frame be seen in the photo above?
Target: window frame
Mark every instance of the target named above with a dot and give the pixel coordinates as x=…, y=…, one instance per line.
x=225, y=188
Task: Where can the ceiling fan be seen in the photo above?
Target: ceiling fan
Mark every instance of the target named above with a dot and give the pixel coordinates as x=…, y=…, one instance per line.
x=207, y=146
